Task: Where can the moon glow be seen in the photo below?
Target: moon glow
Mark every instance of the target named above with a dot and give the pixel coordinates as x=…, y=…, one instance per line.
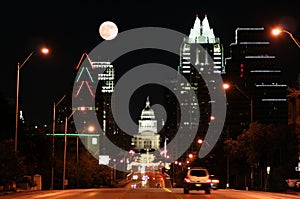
x=108, y=30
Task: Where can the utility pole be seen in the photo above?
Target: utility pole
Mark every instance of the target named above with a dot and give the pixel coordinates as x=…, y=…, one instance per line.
x=65, y=149
x=53, y=140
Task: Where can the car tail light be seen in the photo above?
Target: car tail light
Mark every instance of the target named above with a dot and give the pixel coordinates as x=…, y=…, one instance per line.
x=208, y=180
x=215, y=181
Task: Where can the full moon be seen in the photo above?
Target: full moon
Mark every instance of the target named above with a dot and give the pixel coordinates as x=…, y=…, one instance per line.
x=108, y=30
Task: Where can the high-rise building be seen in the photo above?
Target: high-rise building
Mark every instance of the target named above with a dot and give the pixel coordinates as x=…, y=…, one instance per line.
x=92, y=92
x=257, y=92
x=201, y=55
x=106, y=85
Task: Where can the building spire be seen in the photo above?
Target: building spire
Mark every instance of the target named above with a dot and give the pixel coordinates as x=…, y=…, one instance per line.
x=148, y=103
x=196, y=30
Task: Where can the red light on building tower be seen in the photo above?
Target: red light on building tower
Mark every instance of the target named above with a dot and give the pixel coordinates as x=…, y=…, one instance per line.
x=242, y=70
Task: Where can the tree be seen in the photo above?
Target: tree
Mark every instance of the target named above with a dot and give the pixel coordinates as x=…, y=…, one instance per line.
x=12, y=167
x=263, y=145
x=91, y=174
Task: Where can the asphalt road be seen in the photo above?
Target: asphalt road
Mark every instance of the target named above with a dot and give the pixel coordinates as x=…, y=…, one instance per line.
x=153, y=193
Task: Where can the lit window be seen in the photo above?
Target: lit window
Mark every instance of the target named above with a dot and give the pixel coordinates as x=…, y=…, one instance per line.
x=94, y=141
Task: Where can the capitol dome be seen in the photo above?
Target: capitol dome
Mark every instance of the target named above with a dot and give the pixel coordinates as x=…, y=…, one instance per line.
x=147, y=112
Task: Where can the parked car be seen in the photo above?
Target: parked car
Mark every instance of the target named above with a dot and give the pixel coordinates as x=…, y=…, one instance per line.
x=197, y=178
x=297, y=185
x=215, y=182
x=293, y=183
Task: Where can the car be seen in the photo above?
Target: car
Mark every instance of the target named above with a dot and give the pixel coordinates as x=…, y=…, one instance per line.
x=197, y=178
x=215, y=182
x=297, y=185
x=292, y=183
x=133, y=186
x=135, y=177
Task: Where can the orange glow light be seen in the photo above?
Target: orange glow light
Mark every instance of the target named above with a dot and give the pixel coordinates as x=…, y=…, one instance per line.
x=276, y=31
x=200, y=141
x=226, y=86
x=45, y=50
x=91, y=128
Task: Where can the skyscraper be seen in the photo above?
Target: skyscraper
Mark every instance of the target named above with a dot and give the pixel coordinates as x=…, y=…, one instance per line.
x=201, y=59
x=255, y=75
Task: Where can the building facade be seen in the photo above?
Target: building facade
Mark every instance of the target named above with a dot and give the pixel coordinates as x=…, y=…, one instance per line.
x=201, y=59
x=147, y=138
x=257, y=92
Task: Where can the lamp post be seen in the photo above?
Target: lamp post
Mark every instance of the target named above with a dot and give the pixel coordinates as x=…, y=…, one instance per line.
x=90, y=129
x=226, y=87
x=19, y=66
x=77, y=160
x=277, y=31
x=65, y=148
x=53, y=143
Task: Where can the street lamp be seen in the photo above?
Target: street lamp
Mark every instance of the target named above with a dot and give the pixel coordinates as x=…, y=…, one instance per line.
x=199, y=141
x=65, y=148
x=277, y=31
x=20, y=65
x=53, y=143
x=90, y=129
x=226, y=87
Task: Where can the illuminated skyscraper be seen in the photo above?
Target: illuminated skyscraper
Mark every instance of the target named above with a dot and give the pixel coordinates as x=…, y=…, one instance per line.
x=201, y=54
x=258, y=94
x=254, y=68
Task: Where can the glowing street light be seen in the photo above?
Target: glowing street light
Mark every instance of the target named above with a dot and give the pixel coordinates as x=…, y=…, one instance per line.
x=199, y=141
x=278, y=31
x=227, y=86
x=20, y=65
x=90, y=129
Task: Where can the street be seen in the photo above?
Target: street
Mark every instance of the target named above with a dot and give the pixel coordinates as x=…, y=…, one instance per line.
x=153, y=193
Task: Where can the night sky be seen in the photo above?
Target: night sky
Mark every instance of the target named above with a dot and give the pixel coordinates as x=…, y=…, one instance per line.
x=71, y=29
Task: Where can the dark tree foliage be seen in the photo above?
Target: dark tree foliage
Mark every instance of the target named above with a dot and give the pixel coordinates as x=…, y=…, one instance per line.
x=12, y=166
x=88, y=174
x=262, y=146
x=7, y=108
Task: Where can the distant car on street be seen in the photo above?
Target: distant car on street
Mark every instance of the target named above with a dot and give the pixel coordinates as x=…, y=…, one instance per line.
x=297, y=185
x=293, y=183
x=215, y=182
x=197, y=178
x=133, y=186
